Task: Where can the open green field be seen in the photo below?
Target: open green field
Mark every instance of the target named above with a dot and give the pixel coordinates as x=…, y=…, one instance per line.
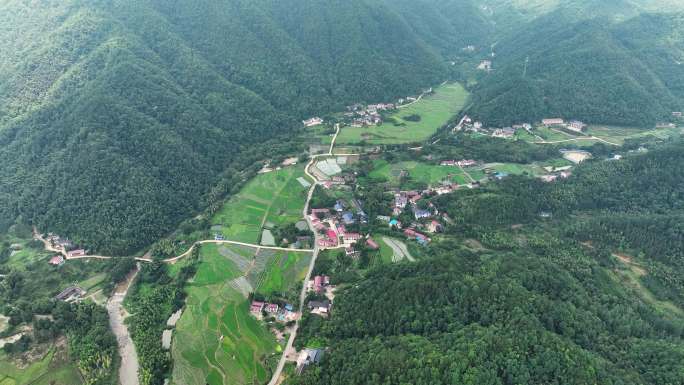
x=618, y=135
x=479, y=172
x=53, y=368
x=273, y=198
x=216, y=340
x=434, y=110
x=419, y=172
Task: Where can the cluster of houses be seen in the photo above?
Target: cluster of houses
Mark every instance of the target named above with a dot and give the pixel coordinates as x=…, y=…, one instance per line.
x=362, y=116
x=64, y=246
x=283, y=313
x=331, y=225
x=320, y=284
x=467, y=124
x=459, y=163
x=574, y=126
x=562, y=173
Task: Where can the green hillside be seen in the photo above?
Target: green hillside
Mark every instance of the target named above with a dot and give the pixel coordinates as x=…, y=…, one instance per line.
x=601, y=70
x=116, y=118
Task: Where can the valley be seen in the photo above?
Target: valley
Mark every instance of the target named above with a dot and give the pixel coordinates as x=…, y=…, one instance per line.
x=306, y=192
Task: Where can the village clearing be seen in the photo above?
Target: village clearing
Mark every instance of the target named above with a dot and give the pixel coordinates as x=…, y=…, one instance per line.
x=276, y=197
x=631, y=276
x=216, y=340
x=434, y=111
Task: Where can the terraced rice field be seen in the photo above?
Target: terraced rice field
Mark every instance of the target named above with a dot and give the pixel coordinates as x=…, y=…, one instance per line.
x=434, y=110
x=276, y=197
x=217, y=340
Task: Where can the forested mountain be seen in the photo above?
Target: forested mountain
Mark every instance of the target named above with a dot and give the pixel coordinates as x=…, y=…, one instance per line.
x=116, y=117
x=540, y=301
x=589, y=62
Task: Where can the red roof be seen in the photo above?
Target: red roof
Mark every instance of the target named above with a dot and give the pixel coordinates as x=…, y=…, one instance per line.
x=56, y=260
x=332, y=234
x=371, y=243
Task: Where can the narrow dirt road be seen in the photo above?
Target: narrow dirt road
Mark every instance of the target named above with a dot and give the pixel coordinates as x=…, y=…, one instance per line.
x=128, y=371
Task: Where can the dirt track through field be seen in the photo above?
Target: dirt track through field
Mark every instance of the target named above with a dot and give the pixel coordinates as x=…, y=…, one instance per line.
x=399, y=249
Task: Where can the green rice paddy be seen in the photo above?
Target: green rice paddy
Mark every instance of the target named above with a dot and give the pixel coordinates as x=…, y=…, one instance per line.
x=275, y=197
x=434, y=111
x=216, y=340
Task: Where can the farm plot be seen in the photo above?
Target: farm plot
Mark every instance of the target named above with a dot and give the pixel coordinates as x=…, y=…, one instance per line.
x=414, y=123
x=217, y=341
x=276, y=197
x=418, y=172
x=53, y=368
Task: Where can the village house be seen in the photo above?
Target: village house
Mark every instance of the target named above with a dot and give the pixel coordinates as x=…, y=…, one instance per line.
x=70, y=294
x=319, y=283
x=576, y=126
x=421, y=214
x=552, y=122
x=76, y=253
x=485, y=65
x=272, y=308
x=57, y=260
x=505, y=133
x=308, y=357
x=548, y=178
x=256, y=307
x=315, y=121
x=477, y=126
x=218, y=237
x=319, y=307
x=351, y=237
x=434, y=227
x=448, y=163
x=677, y=114
x=372, y=244
x=412, y=234
x=351, y=252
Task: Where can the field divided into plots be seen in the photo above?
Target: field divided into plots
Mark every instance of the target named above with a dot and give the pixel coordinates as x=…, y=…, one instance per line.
x=273, y=198
x=414, y=123
x=216, y=340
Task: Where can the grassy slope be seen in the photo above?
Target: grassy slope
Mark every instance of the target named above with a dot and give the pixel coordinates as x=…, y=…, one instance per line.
x=434, y=110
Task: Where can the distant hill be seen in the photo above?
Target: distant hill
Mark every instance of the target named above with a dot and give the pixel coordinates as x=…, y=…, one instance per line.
x=598, y=69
